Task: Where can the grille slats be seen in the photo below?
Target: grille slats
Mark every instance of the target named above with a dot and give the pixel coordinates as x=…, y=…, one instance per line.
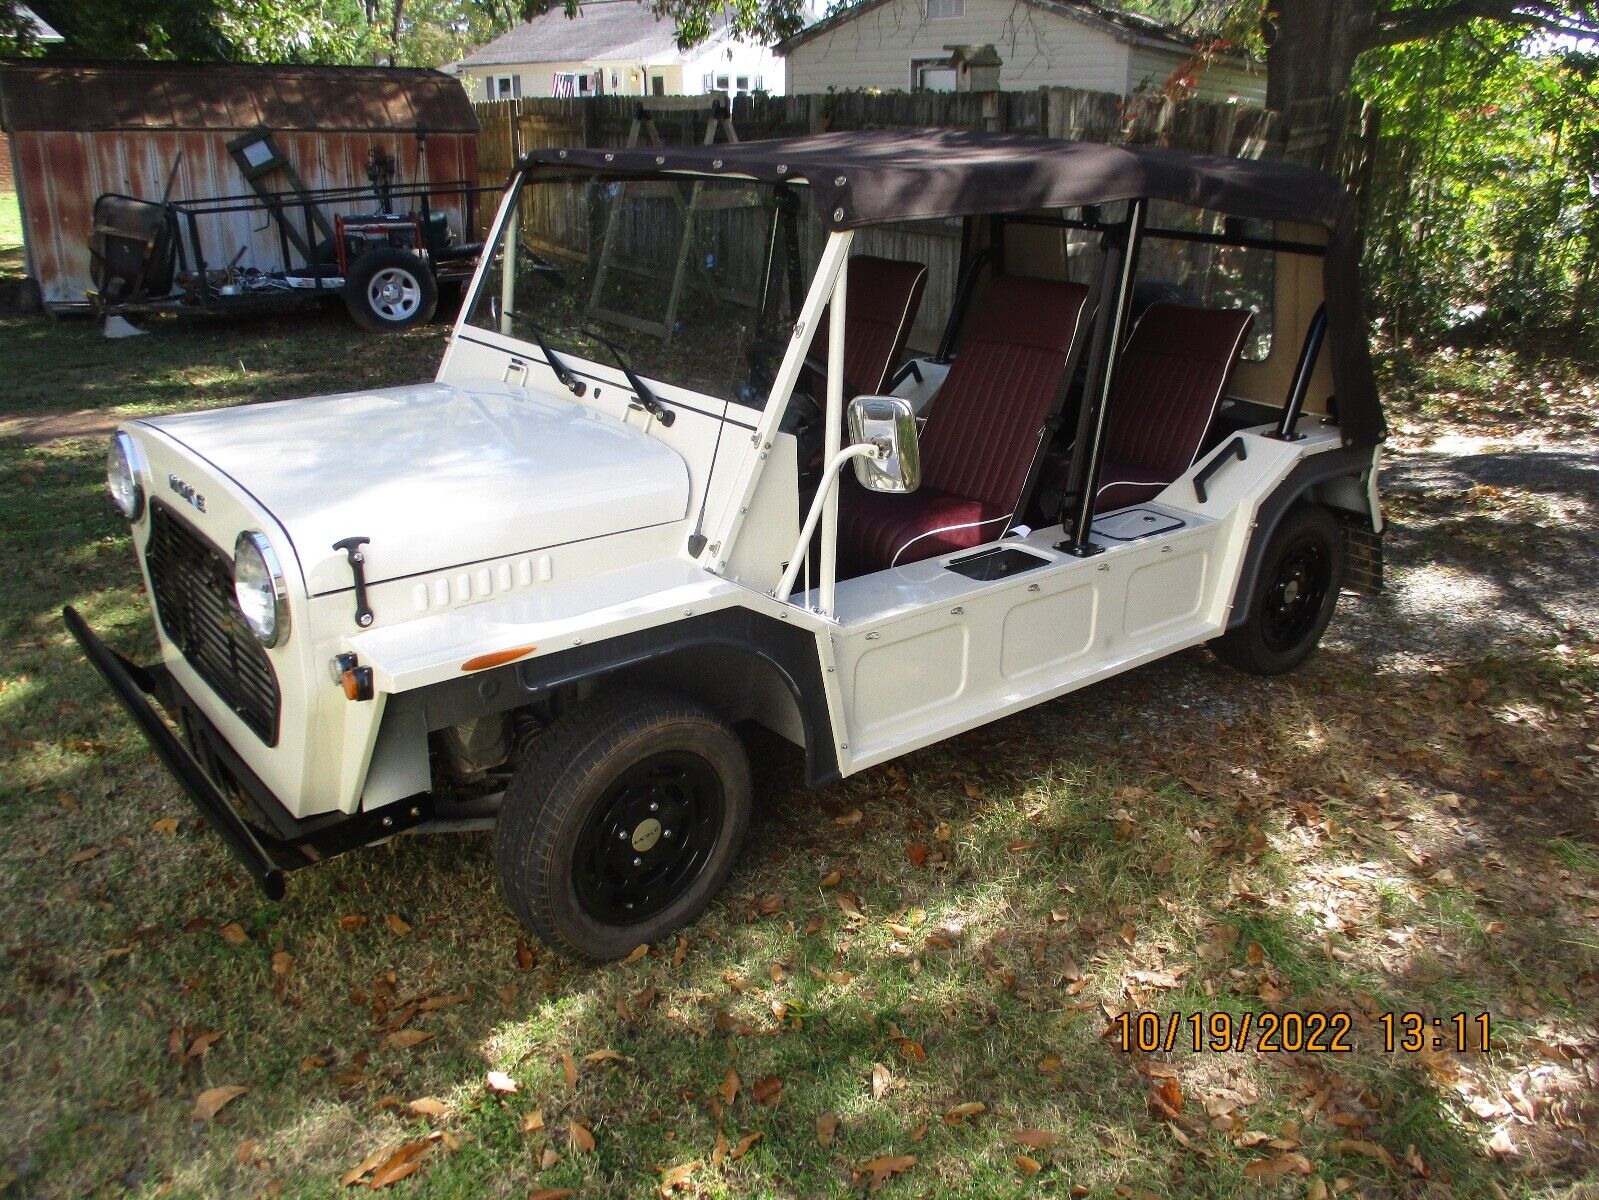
x=193, y=585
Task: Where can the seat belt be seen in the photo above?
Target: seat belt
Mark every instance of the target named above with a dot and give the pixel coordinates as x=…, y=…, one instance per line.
x=1052, y=423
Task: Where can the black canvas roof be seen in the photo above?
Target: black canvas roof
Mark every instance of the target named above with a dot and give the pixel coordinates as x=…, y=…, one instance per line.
x=865, y=178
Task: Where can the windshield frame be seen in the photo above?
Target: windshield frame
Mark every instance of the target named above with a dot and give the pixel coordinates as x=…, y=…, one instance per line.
x=596, y=364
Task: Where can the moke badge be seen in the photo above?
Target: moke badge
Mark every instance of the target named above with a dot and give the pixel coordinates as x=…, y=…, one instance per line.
x=188, y=493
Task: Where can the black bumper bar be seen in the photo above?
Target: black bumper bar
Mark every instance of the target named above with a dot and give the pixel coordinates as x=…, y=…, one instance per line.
x=265, y=857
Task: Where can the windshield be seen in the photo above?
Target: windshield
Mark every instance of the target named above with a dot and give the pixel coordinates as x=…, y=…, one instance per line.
x=696, y=282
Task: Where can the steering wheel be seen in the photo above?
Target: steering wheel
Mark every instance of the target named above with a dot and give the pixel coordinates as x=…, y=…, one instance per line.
x=765, y=354
x=540, y=265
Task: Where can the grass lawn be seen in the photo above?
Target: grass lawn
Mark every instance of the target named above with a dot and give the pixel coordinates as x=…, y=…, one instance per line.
x=913, y=982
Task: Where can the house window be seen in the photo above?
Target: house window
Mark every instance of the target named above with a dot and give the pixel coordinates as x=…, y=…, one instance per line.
x=760, y=83
x=708, y=84
x=932, y=75
x=721, y=83
x=742, y=83
x=613, y=81
x=945, y=10
x=504, y=87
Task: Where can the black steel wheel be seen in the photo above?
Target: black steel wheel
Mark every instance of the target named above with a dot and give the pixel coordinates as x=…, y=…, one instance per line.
x=1293, y=598
x=389, y=289
x=623, y=823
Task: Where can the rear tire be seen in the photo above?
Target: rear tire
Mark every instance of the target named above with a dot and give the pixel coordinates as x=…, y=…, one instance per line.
x=1293, y=597
x=388, y=290
x=623, y=823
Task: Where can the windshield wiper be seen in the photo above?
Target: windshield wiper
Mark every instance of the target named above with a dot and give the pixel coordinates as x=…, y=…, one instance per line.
x=562, y=372
x=648, y=400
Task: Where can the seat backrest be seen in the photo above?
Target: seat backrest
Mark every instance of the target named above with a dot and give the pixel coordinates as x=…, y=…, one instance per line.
x=882, y=299
x=1169, y=384
x=987, y=423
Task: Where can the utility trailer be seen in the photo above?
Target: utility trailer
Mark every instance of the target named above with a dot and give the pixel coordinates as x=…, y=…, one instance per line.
x=385, y=256
x=542, y=593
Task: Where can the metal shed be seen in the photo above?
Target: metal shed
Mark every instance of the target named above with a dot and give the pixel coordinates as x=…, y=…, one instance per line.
x=81, y=129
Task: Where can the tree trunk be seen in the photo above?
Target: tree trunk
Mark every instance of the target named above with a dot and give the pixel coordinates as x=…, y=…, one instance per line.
x=1312, y=46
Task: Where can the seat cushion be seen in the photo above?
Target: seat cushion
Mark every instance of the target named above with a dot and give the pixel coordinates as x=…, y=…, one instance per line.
x=883, y=296
x=1169, y=384
x=877, y=530
x=987, y=421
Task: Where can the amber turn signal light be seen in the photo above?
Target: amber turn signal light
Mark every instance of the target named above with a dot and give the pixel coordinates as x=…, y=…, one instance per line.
x=357, y=683
x=498, y=659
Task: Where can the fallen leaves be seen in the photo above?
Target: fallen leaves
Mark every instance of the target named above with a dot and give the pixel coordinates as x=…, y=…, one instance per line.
x=638, y=952
x=767, y=1090
x=579, y=1137
x=675, y=1178
x=397, y=924
x=87, y=854
x=353, y=921
x=960, y=1112
x=405, y=1039
x=882, y=1077
x=874, y=1172
x=551, y=1194
x=852, y=817
x=213, y=1100
x=233, y=932
x=427, y=1106
x=164, y=825
x=282, y=963
x=826, y=1130
x=1166, y=1096
x=728, y=1088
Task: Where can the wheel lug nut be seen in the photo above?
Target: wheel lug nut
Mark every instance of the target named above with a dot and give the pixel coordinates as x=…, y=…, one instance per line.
x=638, y=862
x=621, y=835
x=666, y=833
x=655, y=806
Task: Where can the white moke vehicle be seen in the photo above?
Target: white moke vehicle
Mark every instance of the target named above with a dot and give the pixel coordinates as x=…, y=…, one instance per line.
x=865, y=438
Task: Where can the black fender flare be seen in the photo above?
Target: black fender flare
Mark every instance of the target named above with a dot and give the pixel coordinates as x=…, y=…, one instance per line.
x=788, y=649
x=1317, y=469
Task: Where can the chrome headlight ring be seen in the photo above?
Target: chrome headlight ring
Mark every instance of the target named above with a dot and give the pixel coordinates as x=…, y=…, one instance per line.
x=260, y=589
x=123, y=461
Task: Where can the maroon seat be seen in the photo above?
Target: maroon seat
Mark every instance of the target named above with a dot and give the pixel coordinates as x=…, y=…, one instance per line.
x=1169, y=384
x=980, y=441
x=882, y=297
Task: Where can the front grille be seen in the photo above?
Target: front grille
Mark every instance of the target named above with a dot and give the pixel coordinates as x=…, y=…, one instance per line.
x=193, y=585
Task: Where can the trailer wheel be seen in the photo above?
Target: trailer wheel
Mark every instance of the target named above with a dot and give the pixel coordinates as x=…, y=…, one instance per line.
x=622, y=823
x=1294, y=595
x=389, y=289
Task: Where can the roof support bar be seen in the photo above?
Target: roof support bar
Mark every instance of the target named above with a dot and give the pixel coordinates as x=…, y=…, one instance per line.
x=1116, y=286
x=1309, y=352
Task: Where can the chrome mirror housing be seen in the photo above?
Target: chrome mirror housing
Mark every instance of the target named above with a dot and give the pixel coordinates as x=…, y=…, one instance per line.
x=889, y=423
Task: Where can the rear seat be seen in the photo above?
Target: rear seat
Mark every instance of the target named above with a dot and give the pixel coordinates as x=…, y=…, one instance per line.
x=982, y=435
x=1170, y=382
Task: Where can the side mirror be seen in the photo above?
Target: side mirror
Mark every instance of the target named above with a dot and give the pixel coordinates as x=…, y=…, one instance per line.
x=889, y=423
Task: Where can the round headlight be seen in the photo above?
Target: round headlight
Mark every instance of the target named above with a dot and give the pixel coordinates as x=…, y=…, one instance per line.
x=120, y=480
x=260, y=588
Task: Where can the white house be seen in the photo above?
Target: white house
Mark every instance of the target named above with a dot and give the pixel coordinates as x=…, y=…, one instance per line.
x=904, y=45
x=615, y=47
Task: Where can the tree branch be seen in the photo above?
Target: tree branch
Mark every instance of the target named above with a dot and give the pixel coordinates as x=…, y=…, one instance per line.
x=1413, y=24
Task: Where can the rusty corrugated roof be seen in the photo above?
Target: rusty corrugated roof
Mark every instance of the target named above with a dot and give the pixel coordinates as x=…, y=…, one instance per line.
x=47, y=95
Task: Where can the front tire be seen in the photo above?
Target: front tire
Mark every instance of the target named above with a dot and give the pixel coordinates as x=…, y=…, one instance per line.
x=623, y=823
x=389, y=289
x=1293, y=598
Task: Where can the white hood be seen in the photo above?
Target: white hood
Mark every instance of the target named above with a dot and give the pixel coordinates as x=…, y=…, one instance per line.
x=436, y=475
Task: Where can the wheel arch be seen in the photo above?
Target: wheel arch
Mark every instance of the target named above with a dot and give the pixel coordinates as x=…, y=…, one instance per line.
x=1338, y=479
x=739, y=663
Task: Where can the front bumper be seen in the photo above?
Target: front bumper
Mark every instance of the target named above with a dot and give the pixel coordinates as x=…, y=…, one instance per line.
x=266, y=856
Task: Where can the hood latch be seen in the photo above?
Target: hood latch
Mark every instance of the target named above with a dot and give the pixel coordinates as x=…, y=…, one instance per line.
x=352, y=550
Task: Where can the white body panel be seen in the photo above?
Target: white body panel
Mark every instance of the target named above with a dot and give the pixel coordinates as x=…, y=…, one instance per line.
x=924, y=653
x=436, y=474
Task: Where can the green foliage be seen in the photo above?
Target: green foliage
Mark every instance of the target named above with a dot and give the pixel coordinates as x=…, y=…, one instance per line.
x=1483, y=210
